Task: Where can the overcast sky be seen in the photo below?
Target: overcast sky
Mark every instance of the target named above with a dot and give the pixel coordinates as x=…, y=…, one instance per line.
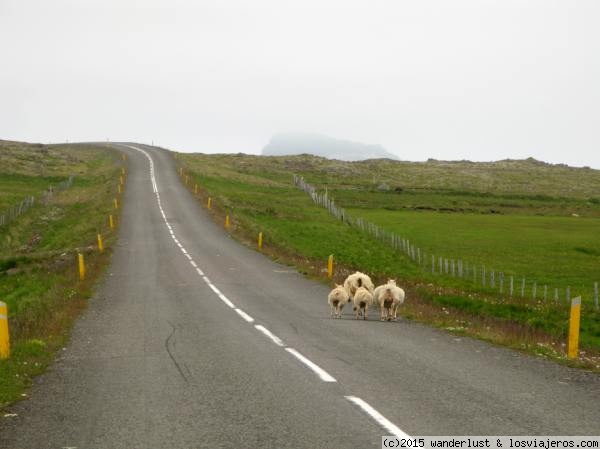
x=448, y=79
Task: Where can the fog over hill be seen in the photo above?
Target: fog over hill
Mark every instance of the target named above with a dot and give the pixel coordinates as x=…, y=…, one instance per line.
x=324, y=146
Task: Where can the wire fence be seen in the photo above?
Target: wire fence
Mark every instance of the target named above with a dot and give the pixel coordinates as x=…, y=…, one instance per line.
x=479, y=274
x=45, y=198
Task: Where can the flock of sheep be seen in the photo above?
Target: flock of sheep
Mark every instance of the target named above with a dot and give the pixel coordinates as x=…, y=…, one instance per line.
x=359, y=289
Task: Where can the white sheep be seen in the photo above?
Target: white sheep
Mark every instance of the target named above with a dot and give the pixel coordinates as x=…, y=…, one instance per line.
x=389, y=296
x=337, y=299
x=362, y=300
x=356, y=280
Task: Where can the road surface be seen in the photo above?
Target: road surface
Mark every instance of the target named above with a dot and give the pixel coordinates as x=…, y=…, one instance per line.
x=194, y=341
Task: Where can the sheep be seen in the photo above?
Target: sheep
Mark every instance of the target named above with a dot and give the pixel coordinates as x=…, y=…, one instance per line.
x=361, y=300
x=356, y=280
x=389, y=296
x=337, y=299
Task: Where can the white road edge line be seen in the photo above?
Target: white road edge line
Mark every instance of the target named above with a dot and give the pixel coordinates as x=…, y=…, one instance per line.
x=270, y=335
x=324, y=375
x=378, y=417
x=244, y=315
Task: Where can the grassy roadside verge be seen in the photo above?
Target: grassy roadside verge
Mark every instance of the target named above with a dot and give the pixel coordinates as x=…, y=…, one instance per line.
x=300, y=233
x=39, y=279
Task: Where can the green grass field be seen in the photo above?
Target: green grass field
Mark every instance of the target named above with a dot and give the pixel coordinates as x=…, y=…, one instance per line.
x=554, y=251
x=527, y=231
x=38, y=270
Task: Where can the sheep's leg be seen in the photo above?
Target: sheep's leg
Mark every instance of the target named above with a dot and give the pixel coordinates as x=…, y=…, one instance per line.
x=395, y=311
x=382, y=314
x=366, y=310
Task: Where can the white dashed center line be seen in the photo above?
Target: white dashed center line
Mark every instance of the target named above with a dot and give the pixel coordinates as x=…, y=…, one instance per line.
x=269, y=334
x=323, y=375
x=244, y=315
x=378, y=417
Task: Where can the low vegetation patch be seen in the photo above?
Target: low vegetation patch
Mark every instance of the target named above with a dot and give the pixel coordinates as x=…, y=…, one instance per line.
x=38, y=250
x=513, y=213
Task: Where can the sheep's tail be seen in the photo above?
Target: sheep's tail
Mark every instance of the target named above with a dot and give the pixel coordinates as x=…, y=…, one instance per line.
x=359, y=282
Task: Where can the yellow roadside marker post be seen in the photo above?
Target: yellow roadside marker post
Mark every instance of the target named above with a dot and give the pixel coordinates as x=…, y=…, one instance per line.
x=124, y=156
x=196, y=189
x=208, y=203
x=180, y=171
x=111, y=222
x=227, y=223
x=330, y=266
x=119, y=188
x=260, y=240
x=121, y=180
x=4, y=333
x=187, y=179
x=123, y=171
x=81, y=267
x=116, y=203
x=573, y=344
x=100, y=244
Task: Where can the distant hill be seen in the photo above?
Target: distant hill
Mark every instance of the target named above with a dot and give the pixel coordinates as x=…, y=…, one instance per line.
x=324, y=146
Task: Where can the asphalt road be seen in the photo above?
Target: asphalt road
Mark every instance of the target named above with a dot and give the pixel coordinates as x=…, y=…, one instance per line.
x=194, y=341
